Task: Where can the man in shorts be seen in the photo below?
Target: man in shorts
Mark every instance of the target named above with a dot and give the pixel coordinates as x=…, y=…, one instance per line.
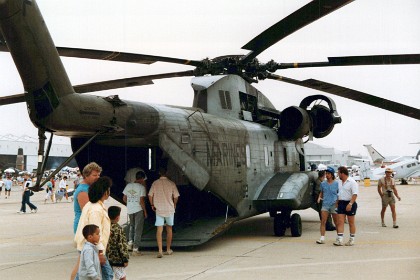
x=8, y=186
x=346, y=206
x=163, y=197
x=387, y=190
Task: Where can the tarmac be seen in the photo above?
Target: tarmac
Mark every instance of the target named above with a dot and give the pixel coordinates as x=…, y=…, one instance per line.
x=40, y=246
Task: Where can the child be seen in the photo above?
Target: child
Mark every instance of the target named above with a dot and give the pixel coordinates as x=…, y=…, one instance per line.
x=117, y=250
x=90, y=268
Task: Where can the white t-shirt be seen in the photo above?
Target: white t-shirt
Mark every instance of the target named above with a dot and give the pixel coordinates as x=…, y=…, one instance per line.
x=347, y=189
x=134, y=191
x=27, y=184
x=62, y=184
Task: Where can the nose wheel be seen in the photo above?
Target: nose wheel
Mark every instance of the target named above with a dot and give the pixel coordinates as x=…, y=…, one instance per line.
x=283, y=220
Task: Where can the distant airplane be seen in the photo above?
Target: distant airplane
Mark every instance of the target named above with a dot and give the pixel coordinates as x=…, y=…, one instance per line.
x=379, y=159
x=403, y=169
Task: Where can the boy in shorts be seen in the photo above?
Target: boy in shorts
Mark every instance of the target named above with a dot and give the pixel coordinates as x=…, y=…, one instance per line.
x=117, y=249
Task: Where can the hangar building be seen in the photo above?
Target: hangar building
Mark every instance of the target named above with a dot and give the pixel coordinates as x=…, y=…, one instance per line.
x=10, y=145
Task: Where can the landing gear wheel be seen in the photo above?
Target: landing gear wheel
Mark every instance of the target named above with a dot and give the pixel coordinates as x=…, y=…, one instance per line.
x=273, y=214
x=296, y=225
x=280, y=225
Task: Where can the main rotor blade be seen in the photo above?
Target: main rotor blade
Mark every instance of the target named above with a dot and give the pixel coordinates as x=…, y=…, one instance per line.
x=354, y=95
x=122, y=56
x=12, y=99
x=115, y=56
x=357, y=61
x=293, y=22
x=105, y=85
x=129, y=82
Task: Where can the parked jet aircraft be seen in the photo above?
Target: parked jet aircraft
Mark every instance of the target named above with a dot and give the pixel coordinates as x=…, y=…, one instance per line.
x=232, y=154
x=403, y=169
x=379, y=159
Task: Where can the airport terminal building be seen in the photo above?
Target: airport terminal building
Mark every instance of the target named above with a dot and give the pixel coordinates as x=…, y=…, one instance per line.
x=21, y=152
x=316, y=154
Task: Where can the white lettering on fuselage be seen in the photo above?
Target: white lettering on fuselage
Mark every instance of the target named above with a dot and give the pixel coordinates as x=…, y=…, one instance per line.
x=225, y=154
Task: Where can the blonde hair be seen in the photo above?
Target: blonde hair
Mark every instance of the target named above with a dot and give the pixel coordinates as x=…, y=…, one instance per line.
x=93, y=166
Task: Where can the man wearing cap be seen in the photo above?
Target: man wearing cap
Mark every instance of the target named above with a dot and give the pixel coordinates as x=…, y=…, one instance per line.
x=387, y=190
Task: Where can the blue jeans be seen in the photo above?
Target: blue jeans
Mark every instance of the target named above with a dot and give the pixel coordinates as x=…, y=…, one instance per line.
x=26, y=200
x=107, y=272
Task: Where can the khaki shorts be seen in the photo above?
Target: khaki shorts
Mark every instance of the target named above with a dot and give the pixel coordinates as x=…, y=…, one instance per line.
x=388, y=200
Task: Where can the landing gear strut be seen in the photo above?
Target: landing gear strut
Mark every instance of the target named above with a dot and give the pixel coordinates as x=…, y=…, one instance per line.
x=283, y=220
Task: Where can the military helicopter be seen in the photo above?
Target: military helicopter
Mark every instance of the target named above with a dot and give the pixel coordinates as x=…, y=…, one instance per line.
x=232, y=154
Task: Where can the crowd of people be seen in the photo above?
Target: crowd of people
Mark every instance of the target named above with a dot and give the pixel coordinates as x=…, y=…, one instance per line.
x=100, y=240
x=102, y=244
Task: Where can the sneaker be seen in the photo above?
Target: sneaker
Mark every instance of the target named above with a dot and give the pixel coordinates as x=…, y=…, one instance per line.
x=395, y=226
x=130, y=245
x=320, y=241
x=338, y=243
x=383, y=225
x=350, y=242
x=21, y=212
x=159, y=255
x=136, y=252
x=34, y=210
x=170, y=252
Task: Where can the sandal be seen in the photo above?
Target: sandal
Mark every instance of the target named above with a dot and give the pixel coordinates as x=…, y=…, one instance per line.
x=170, y=252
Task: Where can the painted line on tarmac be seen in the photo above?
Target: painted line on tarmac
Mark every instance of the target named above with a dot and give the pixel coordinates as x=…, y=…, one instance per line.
x=14, y=264
x=213, y=271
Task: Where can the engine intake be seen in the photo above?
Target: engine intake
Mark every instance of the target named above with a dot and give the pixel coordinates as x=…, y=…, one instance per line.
x=296, y=122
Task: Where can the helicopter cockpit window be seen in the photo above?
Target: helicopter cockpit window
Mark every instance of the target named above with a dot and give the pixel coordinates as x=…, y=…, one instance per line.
x=200, y=99
x=249, y=103
x=225, y=99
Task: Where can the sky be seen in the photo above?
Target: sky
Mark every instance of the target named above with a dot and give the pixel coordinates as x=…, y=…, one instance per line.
x=199, y=29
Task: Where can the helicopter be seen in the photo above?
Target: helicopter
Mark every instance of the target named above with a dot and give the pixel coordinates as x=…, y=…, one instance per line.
x=232, y=154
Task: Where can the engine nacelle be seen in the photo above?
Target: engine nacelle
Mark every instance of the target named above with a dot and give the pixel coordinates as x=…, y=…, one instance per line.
x=322, y=121
x=296, y=122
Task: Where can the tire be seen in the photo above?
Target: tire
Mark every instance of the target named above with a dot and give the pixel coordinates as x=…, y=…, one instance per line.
x=279, y=225
x=296, y=225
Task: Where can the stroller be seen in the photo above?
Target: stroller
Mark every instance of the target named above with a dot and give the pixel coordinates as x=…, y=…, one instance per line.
x=62, y=193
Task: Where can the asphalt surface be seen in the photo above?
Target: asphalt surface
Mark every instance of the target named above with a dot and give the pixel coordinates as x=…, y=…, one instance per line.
x=39, y=246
